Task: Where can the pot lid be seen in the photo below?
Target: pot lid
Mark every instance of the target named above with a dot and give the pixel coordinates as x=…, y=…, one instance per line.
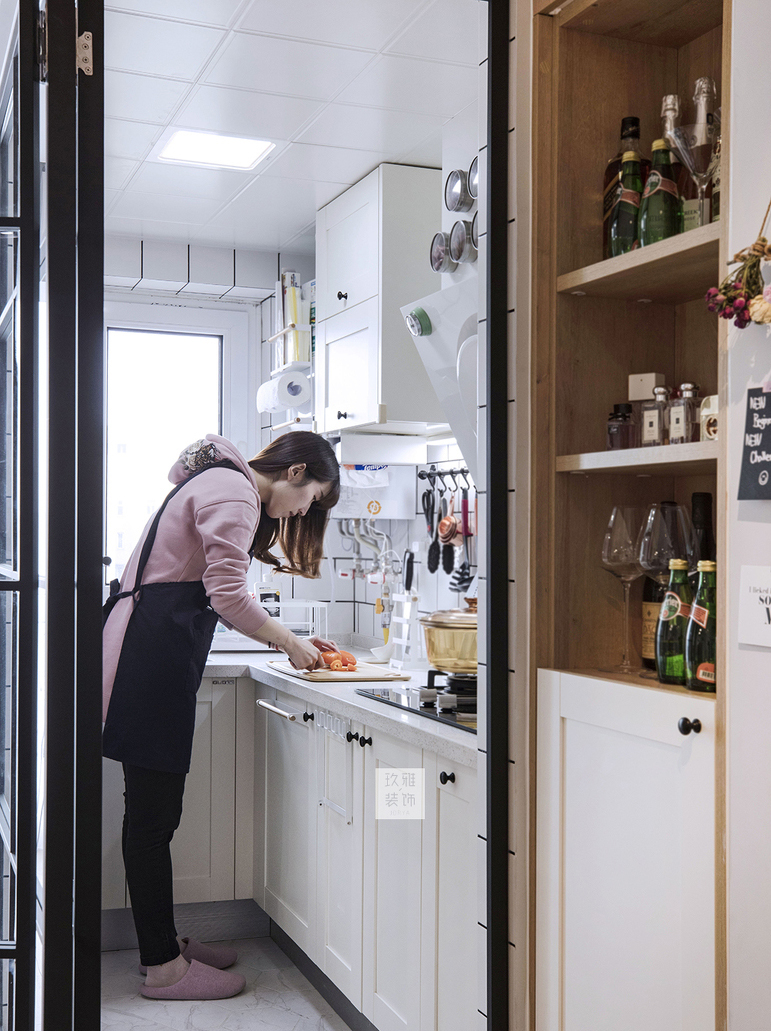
x=456, y=618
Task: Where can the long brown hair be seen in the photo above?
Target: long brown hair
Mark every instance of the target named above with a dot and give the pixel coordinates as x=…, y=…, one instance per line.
x=301, y=537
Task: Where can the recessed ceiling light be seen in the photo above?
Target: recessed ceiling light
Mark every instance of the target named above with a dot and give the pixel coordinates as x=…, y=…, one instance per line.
x=215, y=151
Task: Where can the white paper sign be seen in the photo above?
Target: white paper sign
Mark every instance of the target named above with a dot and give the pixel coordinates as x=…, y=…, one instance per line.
x=755, y=606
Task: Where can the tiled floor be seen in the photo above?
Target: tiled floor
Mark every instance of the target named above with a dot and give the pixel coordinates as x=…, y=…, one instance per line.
x=277, y=997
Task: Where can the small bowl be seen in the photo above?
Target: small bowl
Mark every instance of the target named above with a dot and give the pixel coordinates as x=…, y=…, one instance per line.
x=384, y=652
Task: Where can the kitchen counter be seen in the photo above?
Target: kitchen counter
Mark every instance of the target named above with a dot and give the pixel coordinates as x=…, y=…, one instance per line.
x=445, y=740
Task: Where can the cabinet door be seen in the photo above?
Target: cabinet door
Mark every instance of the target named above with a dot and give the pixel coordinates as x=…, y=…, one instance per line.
x=449, y=960
x=350, y=380
x=202, y=849
x=290, y=822
x=347, y=249
x=391, y=985
x=339, y=791
x=625, y=854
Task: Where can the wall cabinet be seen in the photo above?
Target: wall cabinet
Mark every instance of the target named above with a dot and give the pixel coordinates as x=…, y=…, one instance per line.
x=372, y=257
x=625, y=907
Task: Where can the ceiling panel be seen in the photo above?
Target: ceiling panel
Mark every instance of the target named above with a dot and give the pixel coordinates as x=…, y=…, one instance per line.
x=207, y=183
x=325, y=164
x=286, y=205
x=137, y=44
x=356, y=23
x=129, y=139
x=409, y=84
x=210, y=12
x=142, y=97
x=161, y=207
x=361, y=128
x=448, y=30
x=427, y=153
x=286, y=66
x=264, y=115
x=117, y=171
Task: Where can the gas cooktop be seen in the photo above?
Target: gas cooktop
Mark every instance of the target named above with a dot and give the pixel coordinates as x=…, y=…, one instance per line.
x=423, y=701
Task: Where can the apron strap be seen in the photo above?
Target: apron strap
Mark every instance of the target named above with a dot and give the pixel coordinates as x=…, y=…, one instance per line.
x=147, y=547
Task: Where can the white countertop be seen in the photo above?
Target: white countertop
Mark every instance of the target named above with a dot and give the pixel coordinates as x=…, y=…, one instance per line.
x=442, y=738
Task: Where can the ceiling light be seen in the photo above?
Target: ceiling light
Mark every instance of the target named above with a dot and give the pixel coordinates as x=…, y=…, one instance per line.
x=214, y=151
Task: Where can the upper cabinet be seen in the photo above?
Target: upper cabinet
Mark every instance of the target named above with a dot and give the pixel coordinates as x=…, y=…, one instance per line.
x=372, y=257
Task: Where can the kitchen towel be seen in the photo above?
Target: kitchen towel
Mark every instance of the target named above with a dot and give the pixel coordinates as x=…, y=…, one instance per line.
x=290, y=390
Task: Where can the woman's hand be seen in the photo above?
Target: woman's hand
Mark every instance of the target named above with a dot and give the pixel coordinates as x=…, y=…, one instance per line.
x=324, y=645
x=303, y=654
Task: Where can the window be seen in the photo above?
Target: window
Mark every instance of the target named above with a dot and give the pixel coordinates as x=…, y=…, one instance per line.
x=163, y=392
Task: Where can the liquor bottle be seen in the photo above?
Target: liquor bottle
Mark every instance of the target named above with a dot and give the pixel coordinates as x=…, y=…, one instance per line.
x=705, y=549
x=623, y=224
x=704, y=128
x=686, y=187
x=630, y=140
x=700, y=633
x=672, y=624
x=716, y=182
x=653, y=595
x=660, y=207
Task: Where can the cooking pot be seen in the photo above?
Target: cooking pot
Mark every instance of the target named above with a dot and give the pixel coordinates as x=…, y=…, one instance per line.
x=451, y=639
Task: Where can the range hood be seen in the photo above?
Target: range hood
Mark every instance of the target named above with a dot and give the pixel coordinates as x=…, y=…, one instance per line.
x=446, y=327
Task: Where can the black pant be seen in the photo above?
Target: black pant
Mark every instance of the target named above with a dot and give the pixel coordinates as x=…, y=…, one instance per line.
x=153, y=811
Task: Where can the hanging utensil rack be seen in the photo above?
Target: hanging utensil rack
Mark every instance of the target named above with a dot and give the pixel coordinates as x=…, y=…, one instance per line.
x=432, y=474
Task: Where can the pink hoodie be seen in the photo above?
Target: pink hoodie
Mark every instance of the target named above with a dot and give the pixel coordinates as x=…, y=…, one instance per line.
x=204, y=534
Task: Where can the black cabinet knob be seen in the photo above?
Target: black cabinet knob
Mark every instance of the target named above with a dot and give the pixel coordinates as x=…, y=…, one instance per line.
x=352, y=737
x=341, y=296
x=342, y=415
x=307, y=716
x=365, y=741
x=685, y=726
x=444, y=777
x=106, y=560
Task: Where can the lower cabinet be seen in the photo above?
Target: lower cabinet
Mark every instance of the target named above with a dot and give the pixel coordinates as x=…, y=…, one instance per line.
x=625, y=857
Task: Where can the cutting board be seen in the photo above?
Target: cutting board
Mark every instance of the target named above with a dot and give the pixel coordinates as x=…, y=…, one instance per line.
x=364, y=671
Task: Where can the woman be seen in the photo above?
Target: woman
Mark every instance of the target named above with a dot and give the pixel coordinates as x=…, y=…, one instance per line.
x=189, y=570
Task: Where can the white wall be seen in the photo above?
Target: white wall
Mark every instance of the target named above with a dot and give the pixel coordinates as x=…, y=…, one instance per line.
x=749, y=537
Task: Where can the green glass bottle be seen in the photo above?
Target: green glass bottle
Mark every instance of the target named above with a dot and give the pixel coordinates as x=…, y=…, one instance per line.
x=700, y=633
x=673, y=621
x=660, y=209
x=623, y=230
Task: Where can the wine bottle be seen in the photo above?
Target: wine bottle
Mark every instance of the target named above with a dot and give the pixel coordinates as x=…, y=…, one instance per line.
x=700, y=633
x=625, y=213
x=705, y=549
x=672, y=624
x=660, y=206
x=716, y=182
x=630, y=140
x=653, y=595
x=686, y=187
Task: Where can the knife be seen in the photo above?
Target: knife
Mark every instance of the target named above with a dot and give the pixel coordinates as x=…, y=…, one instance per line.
x=408, y=568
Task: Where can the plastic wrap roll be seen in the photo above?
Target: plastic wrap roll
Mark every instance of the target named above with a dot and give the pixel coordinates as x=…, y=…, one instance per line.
x=291, y=390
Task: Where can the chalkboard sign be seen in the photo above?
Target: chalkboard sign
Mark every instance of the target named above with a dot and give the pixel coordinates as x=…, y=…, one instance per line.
x=755, y=479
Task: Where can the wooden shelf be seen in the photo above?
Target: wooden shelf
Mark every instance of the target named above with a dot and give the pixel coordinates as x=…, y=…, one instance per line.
x=673, y=459
x=674, y=271
x=664, y=23
x=637, y=680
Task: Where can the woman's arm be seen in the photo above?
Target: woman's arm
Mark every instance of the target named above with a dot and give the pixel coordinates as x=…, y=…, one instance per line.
x=301, y=653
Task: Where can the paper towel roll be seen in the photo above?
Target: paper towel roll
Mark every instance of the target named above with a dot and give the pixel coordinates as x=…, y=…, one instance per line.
x=290, y=390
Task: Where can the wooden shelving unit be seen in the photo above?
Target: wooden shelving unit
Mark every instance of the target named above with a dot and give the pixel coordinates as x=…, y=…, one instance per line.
x=639, y=681
x=695, y=459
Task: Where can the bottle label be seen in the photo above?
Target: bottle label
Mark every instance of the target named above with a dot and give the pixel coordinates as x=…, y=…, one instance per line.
x=609, y=197
x=706, y=672
x=677, y=423
x=691, y=215
x=673, y=606
x=651, y=426
x=650, y=617
x=657, y=183
x=700, y=615
x=628, y=197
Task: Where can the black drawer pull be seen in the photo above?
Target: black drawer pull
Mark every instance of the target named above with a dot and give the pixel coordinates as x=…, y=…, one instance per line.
x=341, y=296
x=685, y=726
x=307, y=716
x=365, y=741
x=444, y=777
x=352, y=737
x=342, y=415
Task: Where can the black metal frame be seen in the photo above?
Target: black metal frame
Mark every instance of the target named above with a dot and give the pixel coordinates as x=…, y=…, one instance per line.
x=497, y=543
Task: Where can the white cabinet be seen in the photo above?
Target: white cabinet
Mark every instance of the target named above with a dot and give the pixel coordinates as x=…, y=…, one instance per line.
x=449, y=963
x=393, y=860
x=625, y=857
x=372, y=257
x=202, y=848
x=289, y=871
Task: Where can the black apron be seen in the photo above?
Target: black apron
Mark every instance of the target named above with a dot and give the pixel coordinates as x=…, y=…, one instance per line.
x=151, y=716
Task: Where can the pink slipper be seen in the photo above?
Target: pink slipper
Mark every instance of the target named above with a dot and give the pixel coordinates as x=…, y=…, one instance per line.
x=220, y=956
x=200, y=982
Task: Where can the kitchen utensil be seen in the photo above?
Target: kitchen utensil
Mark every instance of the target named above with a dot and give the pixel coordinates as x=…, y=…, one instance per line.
x=447, y=530
x=620, y=557
x=427, y=503
x=408, y=569
x=451, y=640
x=440, y=254
x=434, y=551
x=456, y=192
x=363, y=671
x=461, y=580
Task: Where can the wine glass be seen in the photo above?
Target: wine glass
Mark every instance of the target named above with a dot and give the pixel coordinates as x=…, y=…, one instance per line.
x=620, y=550
x=667, y=533
x=700, y=155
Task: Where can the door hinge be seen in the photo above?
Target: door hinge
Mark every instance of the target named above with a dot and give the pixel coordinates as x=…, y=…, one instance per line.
x=85, y=58
x=41, y=38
